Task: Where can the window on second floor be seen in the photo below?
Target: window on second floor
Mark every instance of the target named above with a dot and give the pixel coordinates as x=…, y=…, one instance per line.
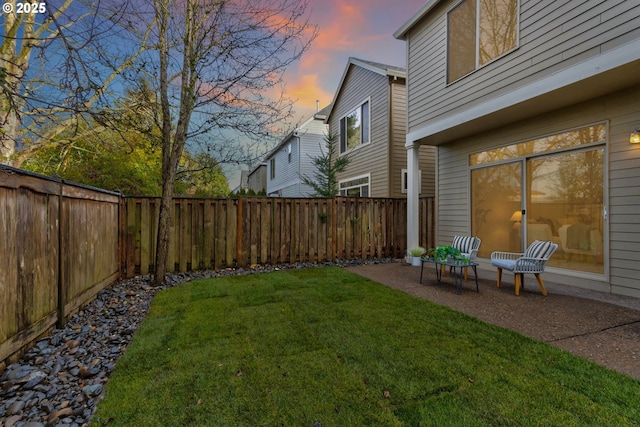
x=479, y=31
x=272, y=167
x=355, y=128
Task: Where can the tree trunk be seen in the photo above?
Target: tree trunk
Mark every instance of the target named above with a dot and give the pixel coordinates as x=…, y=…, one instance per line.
x=8, y=134
x=164, y=226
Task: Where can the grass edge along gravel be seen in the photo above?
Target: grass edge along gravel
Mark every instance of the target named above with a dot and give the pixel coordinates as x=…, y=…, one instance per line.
x=327, y=346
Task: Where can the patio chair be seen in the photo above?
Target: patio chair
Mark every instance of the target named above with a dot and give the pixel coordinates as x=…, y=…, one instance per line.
x=533, y=261
x=468, y=247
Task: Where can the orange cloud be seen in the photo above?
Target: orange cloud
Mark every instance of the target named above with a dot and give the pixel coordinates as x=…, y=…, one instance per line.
x=344, y=28
x=306, y=90
x=359, y=28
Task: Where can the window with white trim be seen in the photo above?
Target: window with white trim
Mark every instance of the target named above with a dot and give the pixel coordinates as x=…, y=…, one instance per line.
x=405, y=186
x=355, y=187
x=355, y=128
x=479, y=31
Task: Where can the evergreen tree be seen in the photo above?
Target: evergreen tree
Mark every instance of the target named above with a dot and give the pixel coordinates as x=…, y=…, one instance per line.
x=328, y=165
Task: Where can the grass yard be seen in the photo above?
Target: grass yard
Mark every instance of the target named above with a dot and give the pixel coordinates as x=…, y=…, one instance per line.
x=297, y=347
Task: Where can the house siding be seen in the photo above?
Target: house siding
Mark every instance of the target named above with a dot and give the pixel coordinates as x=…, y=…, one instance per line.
x=258, y=179
x=621, y=111
x=398, y=152
x=304, y=146
x=313, y=145
x=553, y=35
x=285, y=178
x=359, y=85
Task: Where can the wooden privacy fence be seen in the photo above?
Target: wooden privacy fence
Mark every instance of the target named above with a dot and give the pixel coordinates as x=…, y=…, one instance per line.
x=219, y=233
x=61, y=243
x=58, y=248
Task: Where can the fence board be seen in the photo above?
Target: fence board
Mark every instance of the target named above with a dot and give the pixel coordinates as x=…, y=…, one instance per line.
x=220, y=214
x=265, y=231
x=145, y=231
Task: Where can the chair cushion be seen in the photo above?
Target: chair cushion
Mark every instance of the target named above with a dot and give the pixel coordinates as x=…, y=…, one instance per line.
x=464, y=243
x=538, y=249
x=507, y=264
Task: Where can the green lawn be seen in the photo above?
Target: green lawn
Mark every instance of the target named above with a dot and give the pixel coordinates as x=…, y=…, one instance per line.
x=294, y=347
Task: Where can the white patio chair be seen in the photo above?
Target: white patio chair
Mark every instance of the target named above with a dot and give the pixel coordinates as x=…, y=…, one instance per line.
x=468, y=247
x=533, y=261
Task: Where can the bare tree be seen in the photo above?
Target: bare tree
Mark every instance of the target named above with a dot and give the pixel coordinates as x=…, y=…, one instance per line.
x=53, y=69
x=218, y=66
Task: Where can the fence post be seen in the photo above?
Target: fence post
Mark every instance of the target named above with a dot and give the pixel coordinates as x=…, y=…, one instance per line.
x=239, y=257
x=62, y=293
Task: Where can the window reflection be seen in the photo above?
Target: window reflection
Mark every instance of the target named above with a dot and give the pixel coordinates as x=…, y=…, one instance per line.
x=354, y=128
x=462, y=40
x=498, y=28
x=565, y=202
x=470, y=45
x=564, y=197
x=574, y=138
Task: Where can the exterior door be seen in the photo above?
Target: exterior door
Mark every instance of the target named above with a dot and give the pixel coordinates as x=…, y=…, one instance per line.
x=564, y=203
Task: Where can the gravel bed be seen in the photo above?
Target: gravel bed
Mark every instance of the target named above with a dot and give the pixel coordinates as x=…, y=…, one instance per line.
x=60, y=380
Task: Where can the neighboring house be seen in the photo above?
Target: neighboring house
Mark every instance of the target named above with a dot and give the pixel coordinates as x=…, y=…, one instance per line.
x=257, y=180
x=368, y=114
x=292, y=158
x=531, y=105
x=244, y=182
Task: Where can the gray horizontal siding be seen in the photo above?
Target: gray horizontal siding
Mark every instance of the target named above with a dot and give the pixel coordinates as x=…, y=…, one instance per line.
x=359, y=85
x=313, y=146
x=304, y=147
x=621, y=111
x=553, y=36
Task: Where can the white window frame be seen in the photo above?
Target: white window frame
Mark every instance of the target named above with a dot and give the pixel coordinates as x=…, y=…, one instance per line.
x=477, y=40
x=354, y=178
x=272, y=168
x=404, y=178
x=368, y=124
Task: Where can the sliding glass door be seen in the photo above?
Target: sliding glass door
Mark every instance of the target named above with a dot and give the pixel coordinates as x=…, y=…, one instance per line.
x=562, y=178
x=565, y=203
x=496, y=204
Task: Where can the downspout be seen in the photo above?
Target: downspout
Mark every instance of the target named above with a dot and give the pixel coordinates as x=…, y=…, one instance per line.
x=390, y=189
x=413, y=205
x=299, y=155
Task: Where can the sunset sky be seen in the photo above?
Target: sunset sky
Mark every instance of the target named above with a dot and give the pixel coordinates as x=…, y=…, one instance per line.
x=359, y=28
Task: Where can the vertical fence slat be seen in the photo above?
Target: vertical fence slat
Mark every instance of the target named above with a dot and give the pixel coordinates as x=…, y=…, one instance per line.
x=197, y=235
x=208, y=238
x=221, y=232
x=145, y=235
x=254, y=240
x=265, y=231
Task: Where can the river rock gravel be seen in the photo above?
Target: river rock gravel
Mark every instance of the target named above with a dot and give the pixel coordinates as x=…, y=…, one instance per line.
x=60, y=380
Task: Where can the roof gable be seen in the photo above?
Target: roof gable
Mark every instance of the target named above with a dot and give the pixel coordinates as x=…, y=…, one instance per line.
x=320, y=115
x=401, y=33
x=376, y=67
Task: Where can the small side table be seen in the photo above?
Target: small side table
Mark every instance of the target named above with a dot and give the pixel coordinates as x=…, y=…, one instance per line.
x=457, y=267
